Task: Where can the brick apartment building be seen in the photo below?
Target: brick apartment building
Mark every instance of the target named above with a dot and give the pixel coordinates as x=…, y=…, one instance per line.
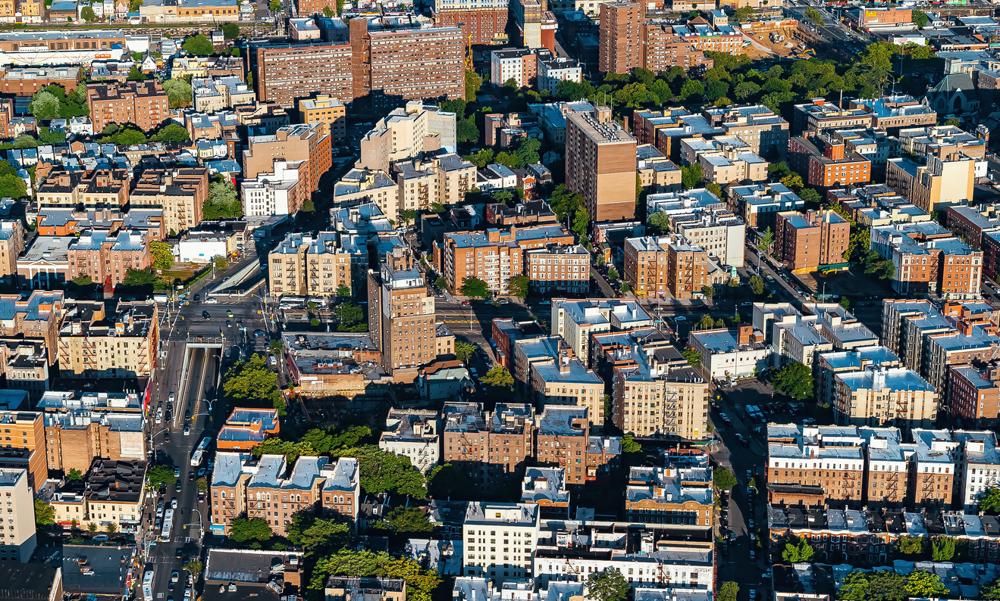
x=827, y=163
x=601, y=164
x=25, y=81
x=367, y=59
x=12, y=242
x=810, y=241
x=92, y=188
x=302, y=142
x=37, y=317
x=180, y=192
x=23, y=445
x=303, y=265
x=93, y=343
x=658, y=266
x=482, y=25
x=328, y=111
x=558, y=269
x=105, y=258
x=143, y=104
x=628, y=39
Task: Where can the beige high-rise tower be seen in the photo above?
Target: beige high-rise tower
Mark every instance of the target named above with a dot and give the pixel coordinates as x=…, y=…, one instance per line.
x=601, y=164
x=401, y=315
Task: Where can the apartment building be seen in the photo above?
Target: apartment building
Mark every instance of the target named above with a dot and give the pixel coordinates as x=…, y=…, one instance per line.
x=731, y=354
x=665, y=265
x=575, y=321
x=499, y=540
x=37, y=317
x=307, y=265
x=23, y=445
x=679, y=494
x=401, y=315
x=327, y=111
x=284, y=71
x=11, y=246
x=519, y=65
x=558, y=269
x=884, y=396
x=266, y=488
x=827, y=162
x=494, y=256
x=972, y=223
x=936, y=181
x=188, y=11
x=302, y=142
x=830, y=363
x=620, y=26
x=812, y=465
x=282, y=191
x=601, y=164
x=765, y=131
x=724, y=160
x=819, y=114
x=85, y=427
x=483, y=21
x=122, y=344
x=816, y=240
x=759, y=204
x=111, y=495
x=405, y=133
x=105, y=258
x=17, y=538
x=555, y=69
x=567, y=381
x=652, y=398
x=712, y=227
x=980, y=469
x=422, y=184
x=973, y=394
x=414, y=434
x=143, y=103
x=214, y=94
x=246, y=428
x=353, y=588
x=927, y=258
x=96, y=188
x=487, y=447
x=180, y=192
x=26, y=81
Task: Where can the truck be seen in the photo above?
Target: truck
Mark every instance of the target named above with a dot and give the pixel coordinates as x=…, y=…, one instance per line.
x=147, y=585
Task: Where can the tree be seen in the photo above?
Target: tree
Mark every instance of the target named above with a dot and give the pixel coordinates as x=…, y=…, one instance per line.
x=222, y=202
x=407, y=520
x=419, y=582
x=692, y=356
x=45, y=514
x=87, y=13
x=810, y=195
x=315, y=534
x=74, y=475
x=464, y=350
x=797, y=551
x=384, y=472
x=498, y=377
x=193, y=567
x=475, y=288
x=230, y=31
x=708, y=291
x=481, y=158
x=794, y=380
x=159, y=476
x=991, y=592
x=179, y=92
x=244, y=530
x=920, y=19
x=925, y=585
x=441, y=283
x=350, y=316
x=198, y=45
x=757, y=285
x=814, y=16
x=140, y=278
x=942, y=548
x=163, y=255
x=251, y=382
x=518, y=286
x=659, y=221
x=274, y=6
x=172, y=133
x=910, y=546
x=607, y=585
x=990, y=501
x=874, y=586
x=631, y=446
x=128, y=135
x=92, y=528
x=111, y=527
x=135, y=74
x=472, y=84
x=44, y=106
x=691, y=176
x=12, y=186
x=793, y=181
x=729, y=591
x=344, y=291
x=724, y=478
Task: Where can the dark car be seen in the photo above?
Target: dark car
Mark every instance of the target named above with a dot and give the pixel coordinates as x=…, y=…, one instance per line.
x=206, y=315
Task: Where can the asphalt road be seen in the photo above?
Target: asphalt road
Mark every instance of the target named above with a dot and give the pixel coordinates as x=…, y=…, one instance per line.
x=175, y=448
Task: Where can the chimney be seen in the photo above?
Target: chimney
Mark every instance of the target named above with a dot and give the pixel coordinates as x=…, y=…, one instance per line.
x=743, y=334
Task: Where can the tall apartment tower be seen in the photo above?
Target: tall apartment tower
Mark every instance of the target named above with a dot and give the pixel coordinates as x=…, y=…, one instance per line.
x=17, y=537
x=601, y=164
x=401, y=316
x=620, y=32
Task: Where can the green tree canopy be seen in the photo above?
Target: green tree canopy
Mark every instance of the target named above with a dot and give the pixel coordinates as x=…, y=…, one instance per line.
x=518, y=286
x=474, y=287
x=420, y=583
x=179, y=93
x=381, y=471
x=723, y=478
x=991, y=592
x=691, y=176
x=172, y=133
x=942, y=548
x=407, y=521
x=45, y=514
x=317, y=535
x=464, y=350
x=925, y=585
x=910, y=546
x=159, y=476
x=163, y=254
x=607, y=585
x=44, y=106
x=630, y=446
x=198, y=45
x=692, y=356
x=794, y=380
x=222, y=202
x=498, y=377
x=230, y=31
x=246, y=530
x=990, y=501
x=252, y=383
x=140, y=278
x=797, y=551
x=12, y=186
x=729, y=591
x=757, y=285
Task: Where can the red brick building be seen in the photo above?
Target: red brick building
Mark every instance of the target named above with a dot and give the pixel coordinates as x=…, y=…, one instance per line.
x=142, y=103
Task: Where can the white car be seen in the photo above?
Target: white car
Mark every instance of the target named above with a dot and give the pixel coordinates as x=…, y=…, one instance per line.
x=173, y=503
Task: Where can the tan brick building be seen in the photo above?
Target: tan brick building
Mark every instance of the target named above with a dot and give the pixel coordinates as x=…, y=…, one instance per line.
x=328, y=111
x=302, y=142
x=286, y=71
x=601, y=164
x=561, y=438
x=679, y=494
x=95, y=344
x=303, y=265
x=106, y=258
x=884, y=396
x=37, y=317
x=24, y=439
x=143, y=104
x=180, y=192
x=401, y=314
x=11, y=246
x=96, y=188
x=814, y=465
x=650, y=403
x=807, y=242
x=665, y=265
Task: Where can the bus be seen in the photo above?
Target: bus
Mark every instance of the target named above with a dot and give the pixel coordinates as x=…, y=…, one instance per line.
x=168, y=525
x=203, y=445
x=147, y=586
x=197, y=458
